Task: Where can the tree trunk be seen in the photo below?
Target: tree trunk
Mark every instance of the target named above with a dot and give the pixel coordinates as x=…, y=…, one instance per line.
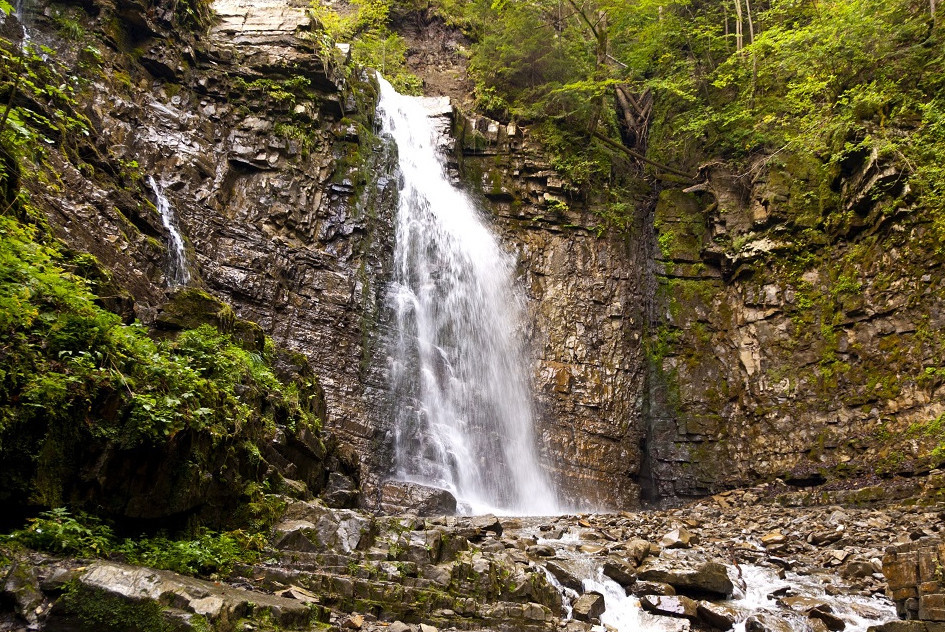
x=725, y=16
x=751, y=26
x=739, y=42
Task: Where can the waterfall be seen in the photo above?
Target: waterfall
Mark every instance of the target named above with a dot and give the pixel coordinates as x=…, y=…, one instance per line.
x=177, y=271
x=461, y=393
x=19, y=12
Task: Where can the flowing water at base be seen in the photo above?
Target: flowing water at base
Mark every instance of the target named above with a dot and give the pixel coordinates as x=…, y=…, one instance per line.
x=462, y=397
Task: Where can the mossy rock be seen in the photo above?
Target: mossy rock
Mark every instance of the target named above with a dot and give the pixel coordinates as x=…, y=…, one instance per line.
x=190, y=308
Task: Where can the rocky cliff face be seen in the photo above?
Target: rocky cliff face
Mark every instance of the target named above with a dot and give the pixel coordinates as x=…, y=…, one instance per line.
x=265, y=151
x=264, y=146
x=788, y=351
x=771, y=352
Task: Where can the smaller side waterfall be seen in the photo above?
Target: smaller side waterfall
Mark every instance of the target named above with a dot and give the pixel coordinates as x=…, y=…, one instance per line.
x=177, y=271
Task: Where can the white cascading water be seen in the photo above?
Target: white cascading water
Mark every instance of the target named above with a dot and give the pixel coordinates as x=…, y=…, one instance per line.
x=462, y=396
x=177, y=272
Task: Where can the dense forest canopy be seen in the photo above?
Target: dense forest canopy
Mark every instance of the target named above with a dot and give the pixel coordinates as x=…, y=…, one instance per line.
x=685, y=82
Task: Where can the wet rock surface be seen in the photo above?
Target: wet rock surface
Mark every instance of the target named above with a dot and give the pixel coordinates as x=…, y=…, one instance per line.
x=352, y=570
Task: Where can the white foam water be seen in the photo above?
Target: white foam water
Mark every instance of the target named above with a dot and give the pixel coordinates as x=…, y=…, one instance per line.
x=462, y=397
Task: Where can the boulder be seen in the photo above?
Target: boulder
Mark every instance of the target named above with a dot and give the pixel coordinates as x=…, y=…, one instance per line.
x=671, y=606
x=641, y=587
x=311, y=527
x=832, y=621
x=637, y=551
x=709, y=579
x=908, y=626
x=110, y=582
x=620, y=571
x=341, y=491
x=588, y=606
x=540, y=550
x=397, y=497
x=766, y=623
x=565, y=573
x=716, y=615
x=21, y=586
x=677, y=539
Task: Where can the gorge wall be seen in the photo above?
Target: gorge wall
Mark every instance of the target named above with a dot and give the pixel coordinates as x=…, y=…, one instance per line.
x=734, y=357
x=785, y=352
x=264, y=145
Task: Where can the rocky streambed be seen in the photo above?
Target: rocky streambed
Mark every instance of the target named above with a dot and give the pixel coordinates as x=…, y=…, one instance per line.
x=728, y=562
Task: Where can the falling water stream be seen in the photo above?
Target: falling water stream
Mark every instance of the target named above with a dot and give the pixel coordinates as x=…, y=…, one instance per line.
x=177, y=272
x=462, y=397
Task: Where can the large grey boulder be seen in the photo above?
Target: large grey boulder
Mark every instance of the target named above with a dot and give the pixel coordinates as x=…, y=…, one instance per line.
x=311, y=527
x=707, y=579
x=398, y=497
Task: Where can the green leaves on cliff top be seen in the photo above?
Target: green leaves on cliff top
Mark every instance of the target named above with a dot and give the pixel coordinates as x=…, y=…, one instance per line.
x=827, y=79
x=373, y=44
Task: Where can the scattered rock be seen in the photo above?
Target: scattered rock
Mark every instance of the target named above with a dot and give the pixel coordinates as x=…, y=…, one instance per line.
x=588, y=606
x=671, y=606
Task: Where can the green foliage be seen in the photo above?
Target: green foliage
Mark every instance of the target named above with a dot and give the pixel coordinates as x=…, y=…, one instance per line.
x=204, y=553
x=207, y=554
x=57, y=531
x=111, y=613
x=73, y=371
x=373, y=44
x=282, y=92
x=830, y=81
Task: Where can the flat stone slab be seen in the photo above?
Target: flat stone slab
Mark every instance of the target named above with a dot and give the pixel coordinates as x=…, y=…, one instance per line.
x=216, y=602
